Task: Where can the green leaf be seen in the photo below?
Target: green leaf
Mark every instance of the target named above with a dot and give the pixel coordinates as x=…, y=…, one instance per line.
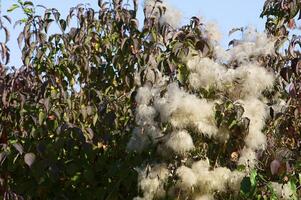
x=76, y=177
x=13, y=7
x=95, y=119
x=218, y=118
x=246, y=185
x=27, y=60
x=63, y=24
x=182, y=73
x=273, y=195
x=28, y=11
x=20, y=2
x=293, y=186
x=28, y=3
x=233, y=123
x=253, y=176
x=294, y=8
x=24, y=20
x=241, y=168
x=41, y=117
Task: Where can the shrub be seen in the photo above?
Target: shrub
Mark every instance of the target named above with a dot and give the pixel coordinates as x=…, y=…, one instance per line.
x=111, y=110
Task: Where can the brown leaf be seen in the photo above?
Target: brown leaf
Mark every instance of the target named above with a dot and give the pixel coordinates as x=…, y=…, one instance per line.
x=7, y=56
x=286, y=73
x=47, y=24
x=3, y=50
x=20, y=39
x=291, y=24
x=7, y=34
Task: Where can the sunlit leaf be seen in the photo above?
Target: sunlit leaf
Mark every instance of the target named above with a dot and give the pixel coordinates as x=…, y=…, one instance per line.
x=41, y=117
x=13, y=7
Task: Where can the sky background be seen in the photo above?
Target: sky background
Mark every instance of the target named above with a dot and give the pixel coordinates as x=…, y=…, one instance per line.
x=227, y=14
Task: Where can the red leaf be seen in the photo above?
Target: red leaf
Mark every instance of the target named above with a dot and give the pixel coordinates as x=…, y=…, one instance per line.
x=291, y=24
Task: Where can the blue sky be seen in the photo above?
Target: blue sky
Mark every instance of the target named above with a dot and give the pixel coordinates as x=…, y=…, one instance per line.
x=227, y=14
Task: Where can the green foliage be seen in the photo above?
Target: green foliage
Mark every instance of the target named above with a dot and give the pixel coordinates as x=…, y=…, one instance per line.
x=61, y=143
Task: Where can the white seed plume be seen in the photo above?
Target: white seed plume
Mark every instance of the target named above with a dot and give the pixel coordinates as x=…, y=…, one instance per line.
x=212, y=31
x=167, y=114
x=171, y=16
x=180, y=142
x=283, y=191
x=151, y=181
x=248, y=158
x=253, y=44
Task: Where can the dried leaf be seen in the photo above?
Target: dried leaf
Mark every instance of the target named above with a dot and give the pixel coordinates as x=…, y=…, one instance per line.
x=20, y=39
x=46, y=103
x=3, y=156
x=19, y=147
x=291, y=49
x=18, y=22
x=7, y=18
x=234, y=42
x=274, y=167
x=47, y=24
x=91, y=133
x=56, y=14
x=3, y=50
x=286, y=73
x=233, y=30
x=292, y=24
x=29, y=159
x=7, y=56
x=41, y=6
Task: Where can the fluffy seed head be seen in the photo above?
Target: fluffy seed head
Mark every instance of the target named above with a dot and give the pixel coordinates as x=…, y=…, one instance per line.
x=180, y=142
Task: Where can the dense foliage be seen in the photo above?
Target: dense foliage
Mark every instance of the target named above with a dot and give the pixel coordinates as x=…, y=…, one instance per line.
x=109, y=109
